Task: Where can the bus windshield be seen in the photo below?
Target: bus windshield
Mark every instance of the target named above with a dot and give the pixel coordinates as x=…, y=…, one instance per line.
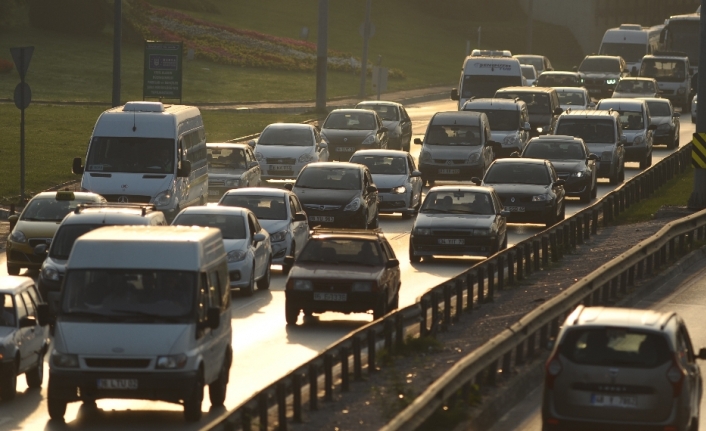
x=131, y=155
x=683, y=36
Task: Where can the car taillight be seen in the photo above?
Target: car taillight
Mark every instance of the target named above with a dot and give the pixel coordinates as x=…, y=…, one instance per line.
x=551, y=370
x=675, y=375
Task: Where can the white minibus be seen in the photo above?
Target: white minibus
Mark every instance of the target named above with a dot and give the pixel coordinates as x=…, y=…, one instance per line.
x=482, y=76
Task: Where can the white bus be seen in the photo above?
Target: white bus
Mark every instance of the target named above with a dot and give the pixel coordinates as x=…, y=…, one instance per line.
x=632, y=42
x=147, y=152
x=482, y=76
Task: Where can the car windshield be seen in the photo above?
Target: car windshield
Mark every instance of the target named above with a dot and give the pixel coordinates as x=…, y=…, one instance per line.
x=48, y=209
x=635, y=86
x=659, y=109
x=265, y=207
x=351, y=121
x=457, y=202
x=385, y=165
x=500, y=119
x=481, y=86
x=131, y=155
x=537, y=103
x=231, y=226
x=631, y=52
x=385, y=112
x=615, y=347
x=632, y=120
x=590, y=130
x=573, y=98
x=129, y=293
x=529, y=72
x=554, y=150
x=537, y=62
x=65, y=238
x=341, y=251
x=287, y=136
x=453, y=135
x=517, y=173
x=329, y=178
x=549, y=79
x=600, y=65
x=7, y=312
x=663, y=70
x=226, y=158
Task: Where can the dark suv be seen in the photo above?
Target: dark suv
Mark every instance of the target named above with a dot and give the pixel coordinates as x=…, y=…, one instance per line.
x=601, y=74
x=542, y=103
x=348, y=271
x=338, y=195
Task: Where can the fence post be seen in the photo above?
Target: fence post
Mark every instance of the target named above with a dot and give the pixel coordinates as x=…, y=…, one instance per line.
x=520, y=262
x=491, y=281
x=470, y=281
x=511, y=267
x=387, y=329
x=554, y=246
x=501, y=271
x=572, y=229
x=545, y=252
x=423, y=323
x=281, y=407
x=328, y=377
x=297, y=397
x=481, y=284
x=262, y=410
x=528, y=258
x=579, y=231
x=586, y=224
x=594, y=225
x=313, y=387
x=372, y=338
x=357, y=359
x=399, y=330
x=535, y=254
x=345, y=376
x=507, y=357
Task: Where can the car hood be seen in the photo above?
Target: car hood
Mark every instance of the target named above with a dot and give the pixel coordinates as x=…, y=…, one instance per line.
x=118, y=339
x=519, y=189
x=500, y=135
x=4, y=332
x=390, y=125
x=282, y=151
x=335, y=136
x=385, y=181
x=274, y=226
x=235, y=244
x=599, y=148
x=38, y=229
x=325, y=196
x=451, y=221
x=452, y=152
x=573, y=107
x=631, y=134
x=345, y=272
x=127, y=184
x=569, y=165
x=225, y=174
x=661, y=120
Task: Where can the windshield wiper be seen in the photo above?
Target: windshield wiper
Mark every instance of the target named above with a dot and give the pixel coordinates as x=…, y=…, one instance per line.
x=87, y=314
x=463, y=212
x=434, y=210
x=144, y=314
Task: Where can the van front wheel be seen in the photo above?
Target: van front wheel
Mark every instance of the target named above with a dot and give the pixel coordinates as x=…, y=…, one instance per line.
x=192, y=405
x=217, y=389
x=56, y=406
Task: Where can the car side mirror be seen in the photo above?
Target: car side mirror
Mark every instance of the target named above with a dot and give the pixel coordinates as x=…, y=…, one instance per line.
x=185, y=169
x=702, y=353
x=417, y=141
x=252, y=143
x=392, y=263
x=28, y=322
x=505, y=213
x=213, y=317
x=476, y=181
x=527, y=127
x=382, y=129
x=371, y=189
x=13, y=218
x=623, y=140
x=253, y=164
x=323, y=145
x=496, y=146
x=289, y=186
x=300, y=217
x=287, y=264
x=43, y=314
x=558, y=111
x=454, y=94
x=593, y=157
x=40, y=250
x=77, y=167
x=559, y=183
x=592, y=105
x=258, y=237
x=416, y=174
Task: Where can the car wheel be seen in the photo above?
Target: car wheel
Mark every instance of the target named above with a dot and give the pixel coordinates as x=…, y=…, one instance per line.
x=291, y=314
x=250, y=289
x=413, y=257
x=375, y=223
x=553, y=220
x=56, y=406
x=192, y=404
x=676, y=140
x=646, y=162
x=594, y=191
x=380, y=309
x=36, y=375
x=13, y=269
x=622, y=174
x=587, y=195
x=217, y=389
x=395, y=302
x=615, y=178
x=504, y=246
x=264, y=282
x=8, y=382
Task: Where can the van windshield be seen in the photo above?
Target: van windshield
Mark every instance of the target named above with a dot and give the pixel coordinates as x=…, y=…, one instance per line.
x=631, y=52
x=131, y=155
x=664, y=70
x=500, y=119
x=537, y=103
x=66, y=237
x=453, y=135
x=129, y=294
x=482, y=86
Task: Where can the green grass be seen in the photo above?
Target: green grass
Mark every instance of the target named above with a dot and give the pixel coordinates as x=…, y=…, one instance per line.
x=675, y=193
x=425, y=39
x=54, y=135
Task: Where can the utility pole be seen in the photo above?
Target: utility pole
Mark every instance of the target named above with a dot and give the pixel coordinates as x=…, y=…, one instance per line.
x=697, y=200
x=322, y=57
x=366, y=39
x=117, y=35
x=530, y=23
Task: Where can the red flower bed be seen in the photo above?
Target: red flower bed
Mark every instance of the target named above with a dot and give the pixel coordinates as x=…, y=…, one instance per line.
x=6, y=66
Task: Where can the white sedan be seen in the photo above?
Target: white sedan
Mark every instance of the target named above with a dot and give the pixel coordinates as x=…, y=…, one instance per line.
x=247, y=244
x=574, y=98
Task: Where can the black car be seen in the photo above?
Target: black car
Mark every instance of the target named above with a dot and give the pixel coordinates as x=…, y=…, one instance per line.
x=601, y=74
x=529, y=189
x=338, y=195
x=459, y=221
x=542, y=103
x=348, y=271
x=571, y=160
x=667, y=121
x=559, y=79
x=350, y=130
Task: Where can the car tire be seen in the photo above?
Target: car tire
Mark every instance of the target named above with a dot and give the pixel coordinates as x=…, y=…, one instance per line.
x=13, y=269
x=413, y=258
x=218, y=388
x=594, y=191
x=504, y=246
x=406, y=215
x=291, y=314
x=8, y=383
x=264, y=282
x=380, y=309
x=622, y=174
x=646, y=162
x=250, y=290
x=587, y=195
x=36, y=375
x=56, y=407
x=395, y=302
x=192, y=404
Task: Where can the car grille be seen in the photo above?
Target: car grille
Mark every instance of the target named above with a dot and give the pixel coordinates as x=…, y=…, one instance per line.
x=130, y=198
x=667, y=91
x=507, y=200
x=33, y=242
x=453, y=233
x=595, y=81
x=563, y=175
x=332, y=286
x=216, y=183
x=384, y=190
x=116, y=363
x=280, y=161
x=322, y=207
x=449, y=161
x=17, y=256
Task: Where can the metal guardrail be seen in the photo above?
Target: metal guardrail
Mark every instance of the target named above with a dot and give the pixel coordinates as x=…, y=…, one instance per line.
x=285, y=399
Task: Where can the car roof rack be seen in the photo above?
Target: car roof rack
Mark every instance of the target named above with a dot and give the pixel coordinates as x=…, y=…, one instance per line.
x=144, y=207
x=330, y=230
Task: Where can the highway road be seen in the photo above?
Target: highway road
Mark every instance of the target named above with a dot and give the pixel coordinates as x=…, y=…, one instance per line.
x=264, y=347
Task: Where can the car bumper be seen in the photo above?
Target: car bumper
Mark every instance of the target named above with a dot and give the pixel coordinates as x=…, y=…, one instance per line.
x=665, y=138
x=430, y=246
x=356, y=302
x=604, y=169
x=338, y=218
x=450, y=172
x=530, y=212
x=574, y=187
x=239, y=274
x=392, y=203
x=601, y=91
x=280, y=250
x=636, y=153
x=22, y=255
x=268, y=174
x=160, y=386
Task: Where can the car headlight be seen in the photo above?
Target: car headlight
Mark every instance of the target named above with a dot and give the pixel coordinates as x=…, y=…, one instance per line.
x=306, y=158
x=681, y=90
x=473, y=158
x=510, y=140
x=399, y=190
x=353, y=205
x=606, y=156
x=17, y=236
x=362, y=286
x=163, y=198
x=638, y=140
x=50, y=273
x=236, y=255
x=422, y=231
x=171, y=362
x=304, y=285
x=578, y=174
x=279, y=236
x=233, y=183
x=425, y=157
x=369, y=140
x=542, y=198
x=480, y=232
x=664, y=126
x=62, y=360
x=611, y=81
x=259, y=156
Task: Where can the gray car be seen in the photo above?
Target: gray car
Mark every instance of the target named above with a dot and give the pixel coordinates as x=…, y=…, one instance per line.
x=395, y=119
x=637, y=128
x=396, y=176
x=622, y=369
x=231, y=166
x=350, y=130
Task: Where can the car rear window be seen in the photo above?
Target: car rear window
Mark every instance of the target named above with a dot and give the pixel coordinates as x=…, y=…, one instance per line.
x=231, y=226
x=590, y=130
x=610, y=346
x=342, y=251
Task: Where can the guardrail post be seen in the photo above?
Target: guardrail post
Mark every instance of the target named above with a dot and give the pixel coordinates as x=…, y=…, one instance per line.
x=501, y=271
x=601, y=295
x=528, y=259
x=470, y=282
x=586, y=225
x=628, y=195
x=281, y=407
x=520, y=265
x=641, y=269
x=623, y=282
x=492, y=373
x=399, y=330
x=543, y=336
x=357, y=359
x=262, y=410
x=616, y=205
x=566, y=236
x=447, y=307
x=554, y=246
x=423, y=323
x=297, y=397
x=246, y=419
x=491, y=281
x=579, y=231
x=520, y=353
x=631, y=276
x=345, y=376
x=458, y=286
x=649, y=262
x=700, y=233
x=313, y=387
x=436, y=299
x=682, y=244
x=531, y=342
x=387, y=328
x=372, y=338
x=672, y=247
x=573, y=227
x=614, y=287
x=594, y=225
x=621, y=200
x=607, y=211
x=545, y=252
x=481, y=284
x=507, y=357
x=535, y=253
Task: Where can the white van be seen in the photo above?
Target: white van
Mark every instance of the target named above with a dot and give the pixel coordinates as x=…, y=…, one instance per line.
x=632, y=42
x=147, y=152
x=482, y=76
x=144, y=314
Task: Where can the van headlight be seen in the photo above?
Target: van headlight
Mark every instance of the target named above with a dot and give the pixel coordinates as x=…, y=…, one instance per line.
x=681, y=90
x=278, y=236
x=171, y=362
x=369, y=140
x=353, y=205
x=578, y=174
x=63, y=360
x=50, y=273
x=163, y=199
x=638, y=140
x=361, y=286
x=18, y=236
x=425, y=157
x=233, y=183
x=259, y=156
x=236, y=255
x=611, y=81
x=398, y=190
x=480, y=232
x=422, y=232
x=306, y=158
x=473, y=158
x=303, y=285
x=542, y=198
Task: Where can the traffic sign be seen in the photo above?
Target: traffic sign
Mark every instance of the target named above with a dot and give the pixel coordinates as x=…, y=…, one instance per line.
x=22, y=56
x=361, y=30
x=698, y=151
x=23, y=95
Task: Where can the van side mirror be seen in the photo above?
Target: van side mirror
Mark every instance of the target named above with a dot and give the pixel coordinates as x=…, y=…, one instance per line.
x=213, y=317
x=77, y=167
x=28, y=322
x=258, y=237
x=515, y=154
x=323, y=145
x=40, y=250
x=496, y=146
x=185, y=169
x=623, y=140
x=527, y=127
x=382, y=130
x=652, y=127
x=300, y=217
x=417, y=141
x=454, y=94
x=558, y=111
x=43, y=314
x=476, y=181
x=592, y=157
x=371, y=189
x=676, y=115
x=416, y=174
x=252, y=143
x=289, y=186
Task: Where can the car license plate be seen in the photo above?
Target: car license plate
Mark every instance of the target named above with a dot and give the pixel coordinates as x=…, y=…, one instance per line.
x=516, y=209
x=321, y=218
x=614, y=400
x=346, y=149
x=326, y=296
x=119, y=384
x=594, y=90
x=280, y=168
x=452, y=241
x=214, y=192
x=449, y=171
